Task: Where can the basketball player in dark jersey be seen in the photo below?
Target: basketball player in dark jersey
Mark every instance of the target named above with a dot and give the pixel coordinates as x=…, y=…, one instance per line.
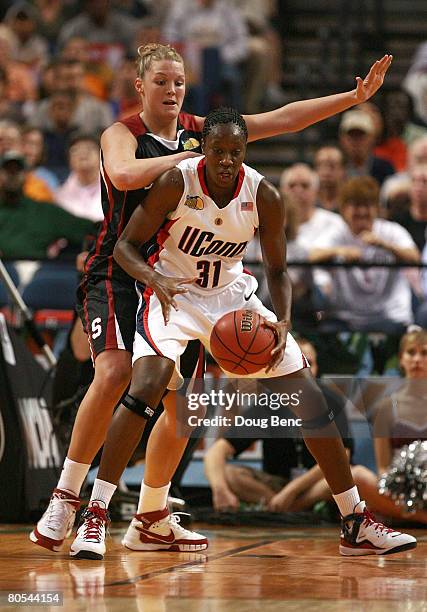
x=107, y=296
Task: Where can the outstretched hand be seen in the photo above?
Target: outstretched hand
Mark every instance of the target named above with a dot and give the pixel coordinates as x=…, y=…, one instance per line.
x=166, y=288
x=366, y=87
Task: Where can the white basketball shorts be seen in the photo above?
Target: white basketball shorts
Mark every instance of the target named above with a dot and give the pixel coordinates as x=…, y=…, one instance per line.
x=194, y=320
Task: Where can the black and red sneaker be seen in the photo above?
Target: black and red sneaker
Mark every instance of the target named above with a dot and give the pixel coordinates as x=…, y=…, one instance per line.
x=361, y=534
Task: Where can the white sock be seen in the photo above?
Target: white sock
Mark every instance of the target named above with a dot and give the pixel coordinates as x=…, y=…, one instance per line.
x=347, y=500
x=73, y=475
x=151, y=499
x=102, y=491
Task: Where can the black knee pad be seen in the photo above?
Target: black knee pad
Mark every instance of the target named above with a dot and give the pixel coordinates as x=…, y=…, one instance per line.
x=320, y=421
x=138, y=407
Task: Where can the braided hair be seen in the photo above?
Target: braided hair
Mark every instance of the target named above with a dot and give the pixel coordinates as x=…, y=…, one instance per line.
x=223, y=115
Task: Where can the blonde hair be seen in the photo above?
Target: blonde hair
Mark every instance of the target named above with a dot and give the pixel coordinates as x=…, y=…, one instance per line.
x=153, y=52
x=415, y=335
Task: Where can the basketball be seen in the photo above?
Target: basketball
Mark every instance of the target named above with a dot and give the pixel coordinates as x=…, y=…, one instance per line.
x=240, y=343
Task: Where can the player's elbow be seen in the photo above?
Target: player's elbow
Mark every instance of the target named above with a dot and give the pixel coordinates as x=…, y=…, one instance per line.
x=118, y=252
x=121, y=179
x=276, y=273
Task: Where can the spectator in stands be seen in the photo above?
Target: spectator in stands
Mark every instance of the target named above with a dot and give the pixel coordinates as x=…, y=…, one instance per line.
x=414, y=219
x=12, y=139
x=34, y=152
x=51, y=16
x=102, y=26
x=357, y=139
x=98, y=76
x=290, y=480
x=400, y=418
x=211, y=26
x=300, y=184
x=30, y=229
x=389, y=144
x=367, y=299
x=10, y=135
x=263, y=67
x=31, y=48
x=89, y=113
x=329, y=165
x=8, y=110
x=124, y=97
x=415, y=82
x=303, y=291
x=397, y=187
x=21, y=83
x=58, y=132
x=80, y=195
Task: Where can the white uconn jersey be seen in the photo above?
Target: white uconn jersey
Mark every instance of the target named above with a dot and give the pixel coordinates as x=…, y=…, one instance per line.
x=202, y=240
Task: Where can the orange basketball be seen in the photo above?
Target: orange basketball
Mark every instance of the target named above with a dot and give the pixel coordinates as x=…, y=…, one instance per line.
x=240, y=343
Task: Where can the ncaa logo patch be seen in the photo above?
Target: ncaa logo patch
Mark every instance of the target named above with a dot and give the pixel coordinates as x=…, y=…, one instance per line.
x=194, y=202
x=191, y=143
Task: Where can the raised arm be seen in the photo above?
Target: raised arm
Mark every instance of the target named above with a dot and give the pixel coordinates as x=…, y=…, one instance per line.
x=299, y=115
x=125, y=171
x=271, y=213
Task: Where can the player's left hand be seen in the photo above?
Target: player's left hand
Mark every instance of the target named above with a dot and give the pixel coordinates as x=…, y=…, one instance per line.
x=366, y=87
x=281, y=329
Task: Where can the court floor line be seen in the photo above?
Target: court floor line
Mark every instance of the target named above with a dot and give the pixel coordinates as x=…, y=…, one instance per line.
x=169, y=570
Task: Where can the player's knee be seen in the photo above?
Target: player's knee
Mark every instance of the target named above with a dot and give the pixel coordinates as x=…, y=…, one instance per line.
x=114, y=376
x=311, y=402
x=138, y=406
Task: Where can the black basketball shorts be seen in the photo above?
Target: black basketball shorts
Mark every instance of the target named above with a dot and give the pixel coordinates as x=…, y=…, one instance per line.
x=108, y=309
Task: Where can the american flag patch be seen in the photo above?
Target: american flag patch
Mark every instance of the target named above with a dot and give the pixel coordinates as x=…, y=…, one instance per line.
x=247, y=206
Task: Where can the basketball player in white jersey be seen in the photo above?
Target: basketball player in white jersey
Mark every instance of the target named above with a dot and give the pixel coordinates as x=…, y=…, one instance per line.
x=203, y=213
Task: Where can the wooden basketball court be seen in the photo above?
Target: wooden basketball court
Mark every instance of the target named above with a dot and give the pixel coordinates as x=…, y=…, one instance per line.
x=244, y=569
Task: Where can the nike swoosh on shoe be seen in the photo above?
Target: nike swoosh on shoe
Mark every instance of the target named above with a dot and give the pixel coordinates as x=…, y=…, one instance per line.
x=169, y=539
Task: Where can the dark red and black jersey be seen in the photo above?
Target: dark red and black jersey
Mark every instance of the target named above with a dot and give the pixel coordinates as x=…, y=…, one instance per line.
x=118, y=205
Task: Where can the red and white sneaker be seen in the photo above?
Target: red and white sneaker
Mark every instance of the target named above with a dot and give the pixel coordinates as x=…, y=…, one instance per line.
x=90, y=540
x=160, y=530
x=57, y=522
x=361, y=534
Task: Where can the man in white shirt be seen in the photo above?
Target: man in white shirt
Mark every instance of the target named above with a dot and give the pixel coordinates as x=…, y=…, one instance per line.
x=367, y=299
x=300, y=184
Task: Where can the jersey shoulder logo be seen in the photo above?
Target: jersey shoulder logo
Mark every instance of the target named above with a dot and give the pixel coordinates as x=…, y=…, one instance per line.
x=191, y=143
x=194, y=202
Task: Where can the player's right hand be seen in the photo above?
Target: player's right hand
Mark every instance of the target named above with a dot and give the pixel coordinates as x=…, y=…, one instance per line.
x=166, y=288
